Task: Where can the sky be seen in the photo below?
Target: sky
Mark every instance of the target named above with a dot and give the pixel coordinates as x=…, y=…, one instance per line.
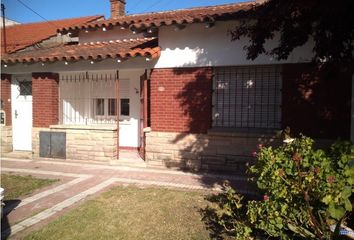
x=59, y=9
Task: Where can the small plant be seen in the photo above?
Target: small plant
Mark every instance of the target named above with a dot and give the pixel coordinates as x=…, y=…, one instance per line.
x=306, y=193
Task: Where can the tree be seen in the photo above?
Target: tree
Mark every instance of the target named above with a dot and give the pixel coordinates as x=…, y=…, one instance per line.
x=329, y=23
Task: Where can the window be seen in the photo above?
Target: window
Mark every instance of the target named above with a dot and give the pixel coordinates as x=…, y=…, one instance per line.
x=124, y=107
x=99, y=106
x=247, y=97
x=25, y=88
x=91, y=97
x=112, y=107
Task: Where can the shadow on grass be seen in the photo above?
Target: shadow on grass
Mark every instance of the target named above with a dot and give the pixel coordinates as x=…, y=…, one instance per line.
x=5, y=225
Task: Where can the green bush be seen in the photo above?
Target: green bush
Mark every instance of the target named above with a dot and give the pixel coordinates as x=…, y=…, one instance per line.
x=305, y=192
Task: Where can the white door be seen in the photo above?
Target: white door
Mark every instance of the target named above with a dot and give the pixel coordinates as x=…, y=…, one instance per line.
x=21, y=95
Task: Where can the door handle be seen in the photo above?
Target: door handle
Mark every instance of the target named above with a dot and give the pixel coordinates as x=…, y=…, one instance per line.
x=16, y=114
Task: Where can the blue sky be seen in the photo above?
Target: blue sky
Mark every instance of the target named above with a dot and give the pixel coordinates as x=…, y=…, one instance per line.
x=58, y=9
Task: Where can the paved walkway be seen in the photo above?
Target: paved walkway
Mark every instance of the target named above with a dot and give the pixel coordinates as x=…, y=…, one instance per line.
x=80, y=180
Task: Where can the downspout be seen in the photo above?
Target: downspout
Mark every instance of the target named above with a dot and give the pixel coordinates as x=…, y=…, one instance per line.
x=4, y=27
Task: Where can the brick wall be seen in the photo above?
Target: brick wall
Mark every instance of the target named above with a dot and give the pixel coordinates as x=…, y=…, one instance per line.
x=181, y=100
x=6, y=96
x=316, y=104
x=117, y=8
x=45, y=93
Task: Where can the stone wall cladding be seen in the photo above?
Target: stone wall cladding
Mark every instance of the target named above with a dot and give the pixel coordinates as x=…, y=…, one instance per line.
x=6, y=139
x=99, y=145
x=6, y=96
x=45, y=93
x=212, y=151
x=181, y=100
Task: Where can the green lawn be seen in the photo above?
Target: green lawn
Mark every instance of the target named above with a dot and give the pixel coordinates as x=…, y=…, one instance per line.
x=18, y=186
x=132, y=213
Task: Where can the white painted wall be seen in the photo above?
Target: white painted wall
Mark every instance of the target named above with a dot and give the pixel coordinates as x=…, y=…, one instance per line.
x=112, y=34
x=8, y=22
x=108, y=64
x=199, y=46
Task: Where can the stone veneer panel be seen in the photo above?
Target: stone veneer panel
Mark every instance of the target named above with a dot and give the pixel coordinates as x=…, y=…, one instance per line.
x=212, y=151
x=84, y=143
x=6, y=139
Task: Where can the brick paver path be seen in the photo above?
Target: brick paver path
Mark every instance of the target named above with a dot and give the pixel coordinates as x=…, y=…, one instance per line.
x=80, y=180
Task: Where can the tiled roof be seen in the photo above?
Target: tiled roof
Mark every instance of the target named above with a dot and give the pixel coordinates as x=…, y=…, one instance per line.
x=183, y=16
x=95, y=51
x=23, y=35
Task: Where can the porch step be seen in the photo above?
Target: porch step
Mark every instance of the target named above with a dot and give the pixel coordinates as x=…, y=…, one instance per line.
x=129, y=159
x=139, y=163
x=18, y=154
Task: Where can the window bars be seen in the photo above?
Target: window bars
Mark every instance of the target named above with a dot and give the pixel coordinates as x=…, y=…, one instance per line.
x=88, y=98
x=247, y=97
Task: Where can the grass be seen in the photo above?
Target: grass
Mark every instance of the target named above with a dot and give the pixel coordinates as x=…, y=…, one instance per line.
x=132, y=213
x=18, y=186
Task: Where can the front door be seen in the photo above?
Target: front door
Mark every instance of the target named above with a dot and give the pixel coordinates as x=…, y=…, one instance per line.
x=21, y=98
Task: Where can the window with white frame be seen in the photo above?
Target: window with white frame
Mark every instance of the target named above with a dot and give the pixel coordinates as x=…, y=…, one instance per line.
x=247, y=97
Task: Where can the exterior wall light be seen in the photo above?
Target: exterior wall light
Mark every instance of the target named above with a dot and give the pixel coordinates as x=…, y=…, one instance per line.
x=92, y=62
x=104, y=29
x=66, y=63
x=209, y=25
x=5, y=65
x=148, y=59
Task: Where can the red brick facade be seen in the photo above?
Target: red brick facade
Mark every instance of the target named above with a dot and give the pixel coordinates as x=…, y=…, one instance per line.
x=6, y=96
x=316, y=104
x=181, y=100
x=45, y=93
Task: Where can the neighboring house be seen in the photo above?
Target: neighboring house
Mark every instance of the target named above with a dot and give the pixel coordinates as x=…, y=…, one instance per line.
x=170, y=85
x=8, y=22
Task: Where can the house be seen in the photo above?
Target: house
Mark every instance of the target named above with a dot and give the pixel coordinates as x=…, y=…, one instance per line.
x=169, y=85
x=8, y=22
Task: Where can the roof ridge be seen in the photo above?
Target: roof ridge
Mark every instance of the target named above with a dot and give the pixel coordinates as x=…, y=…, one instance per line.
x=186, y=9
x=57, y=20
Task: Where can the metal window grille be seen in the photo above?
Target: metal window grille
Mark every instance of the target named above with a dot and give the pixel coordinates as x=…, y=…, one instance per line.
x=99, y=106
x=25, y=88
x=112, y=107
x=247, y=97
x=84, y=97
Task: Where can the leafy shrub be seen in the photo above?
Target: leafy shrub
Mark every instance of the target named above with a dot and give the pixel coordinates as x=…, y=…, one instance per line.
x=305, y=193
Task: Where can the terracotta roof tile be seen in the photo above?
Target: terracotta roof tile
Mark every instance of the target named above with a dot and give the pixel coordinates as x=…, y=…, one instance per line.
x=97, y=50
x=183, y=16
x=23, y=35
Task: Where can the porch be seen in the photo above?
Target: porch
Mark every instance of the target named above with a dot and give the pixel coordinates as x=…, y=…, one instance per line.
x=99, y=118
